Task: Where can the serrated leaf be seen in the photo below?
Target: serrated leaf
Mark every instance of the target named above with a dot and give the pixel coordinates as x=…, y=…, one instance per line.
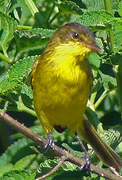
x=18, y=175
x=24, y=162
x=115, y=4
x=16, y=73
x=69, y=7
x=26, y=90
x=98, y=4
x=111, y=137
x=35, y=32
x=11, y=152
x=95, y=18
x=49, y=164
x=7, y=29
x=31, y=40
x=68, y=166
x=18, y=9
x=94, y=4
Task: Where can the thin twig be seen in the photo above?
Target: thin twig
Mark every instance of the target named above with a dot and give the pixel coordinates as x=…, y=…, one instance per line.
x=54, y=169
x=57, y=151
x=105, y=93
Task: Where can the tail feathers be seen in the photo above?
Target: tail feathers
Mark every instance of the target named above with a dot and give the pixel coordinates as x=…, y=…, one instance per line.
x=105, y=153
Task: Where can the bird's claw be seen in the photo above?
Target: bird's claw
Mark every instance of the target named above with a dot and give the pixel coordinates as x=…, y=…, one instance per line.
x=86, y=164
x=87, y=161
x=50, y=142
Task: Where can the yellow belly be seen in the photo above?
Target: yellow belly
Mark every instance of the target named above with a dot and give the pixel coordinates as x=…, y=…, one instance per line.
x=62, y=97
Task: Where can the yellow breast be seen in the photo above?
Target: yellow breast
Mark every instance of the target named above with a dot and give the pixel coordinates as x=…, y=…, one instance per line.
x=61, y=88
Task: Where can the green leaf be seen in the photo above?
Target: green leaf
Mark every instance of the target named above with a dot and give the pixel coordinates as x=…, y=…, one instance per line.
x=94, y=60
x=94, y=4
x=117, y=32
x=98, y=4
x=115, y=57
x=5, y=6
x=16, y=151
x=108, y=81
x=24, y=162
x=111, y=137
x=69, y=7
x=18, y=9
x=68, y=166
x=7, y=29
x=120, y=8
x=26, y=90
x=5, y=168
x=115, y=4
x=32, y=40
x=18, y=175
x=15, y=75
x=95, y=18
x=35, y=32
x=92, y=117
x=71, y=175
x=72, y=151
x=32, y=7
x=49, y=164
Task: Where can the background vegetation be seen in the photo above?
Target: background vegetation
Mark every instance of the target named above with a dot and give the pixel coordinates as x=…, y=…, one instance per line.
x=25, y=28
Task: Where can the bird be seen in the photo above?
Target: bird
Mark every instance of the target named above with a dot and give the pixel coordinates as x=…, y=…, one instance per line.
x=61, y=81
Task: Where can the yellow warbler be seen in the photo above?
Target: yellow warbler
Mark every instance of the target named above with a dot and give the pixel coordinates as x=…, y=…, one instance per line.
x=61, y=83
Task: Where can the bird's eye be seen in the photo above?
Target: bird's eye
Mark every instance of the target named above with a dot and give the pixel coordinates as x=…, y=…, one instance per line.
x=75, y=35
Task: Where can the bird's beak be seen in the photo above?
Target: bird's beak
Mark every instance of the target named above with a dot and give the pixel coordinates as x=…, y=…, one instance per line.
x=94, y=47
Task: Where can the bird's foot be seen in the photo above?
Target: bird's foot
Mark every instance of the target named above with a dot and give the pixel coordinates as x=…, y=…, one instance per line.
x=50, y=142
x=87, y=161
x=86, y=165
x=86, y=157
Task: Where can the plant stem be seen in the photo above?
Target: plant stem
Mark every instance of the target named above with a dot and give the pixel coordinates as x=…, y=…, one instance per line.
x=105, y=93
x=21, y=27
x=108, y=7
x=22, y=107
x=5, y=58
x=93, y=96
x=54, y=17
x=32, y=7
x=28, y=110
x=52, y=8
x=91, y=101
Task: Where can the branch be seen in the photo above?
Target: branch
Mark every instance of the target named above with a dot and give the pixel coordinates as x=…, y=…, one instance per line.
x=58, y=151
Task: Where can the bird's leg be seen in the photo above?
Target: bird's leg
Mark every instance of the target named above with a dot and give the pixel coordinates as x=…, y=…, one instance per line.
x=87, y=157
x=50, y=142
